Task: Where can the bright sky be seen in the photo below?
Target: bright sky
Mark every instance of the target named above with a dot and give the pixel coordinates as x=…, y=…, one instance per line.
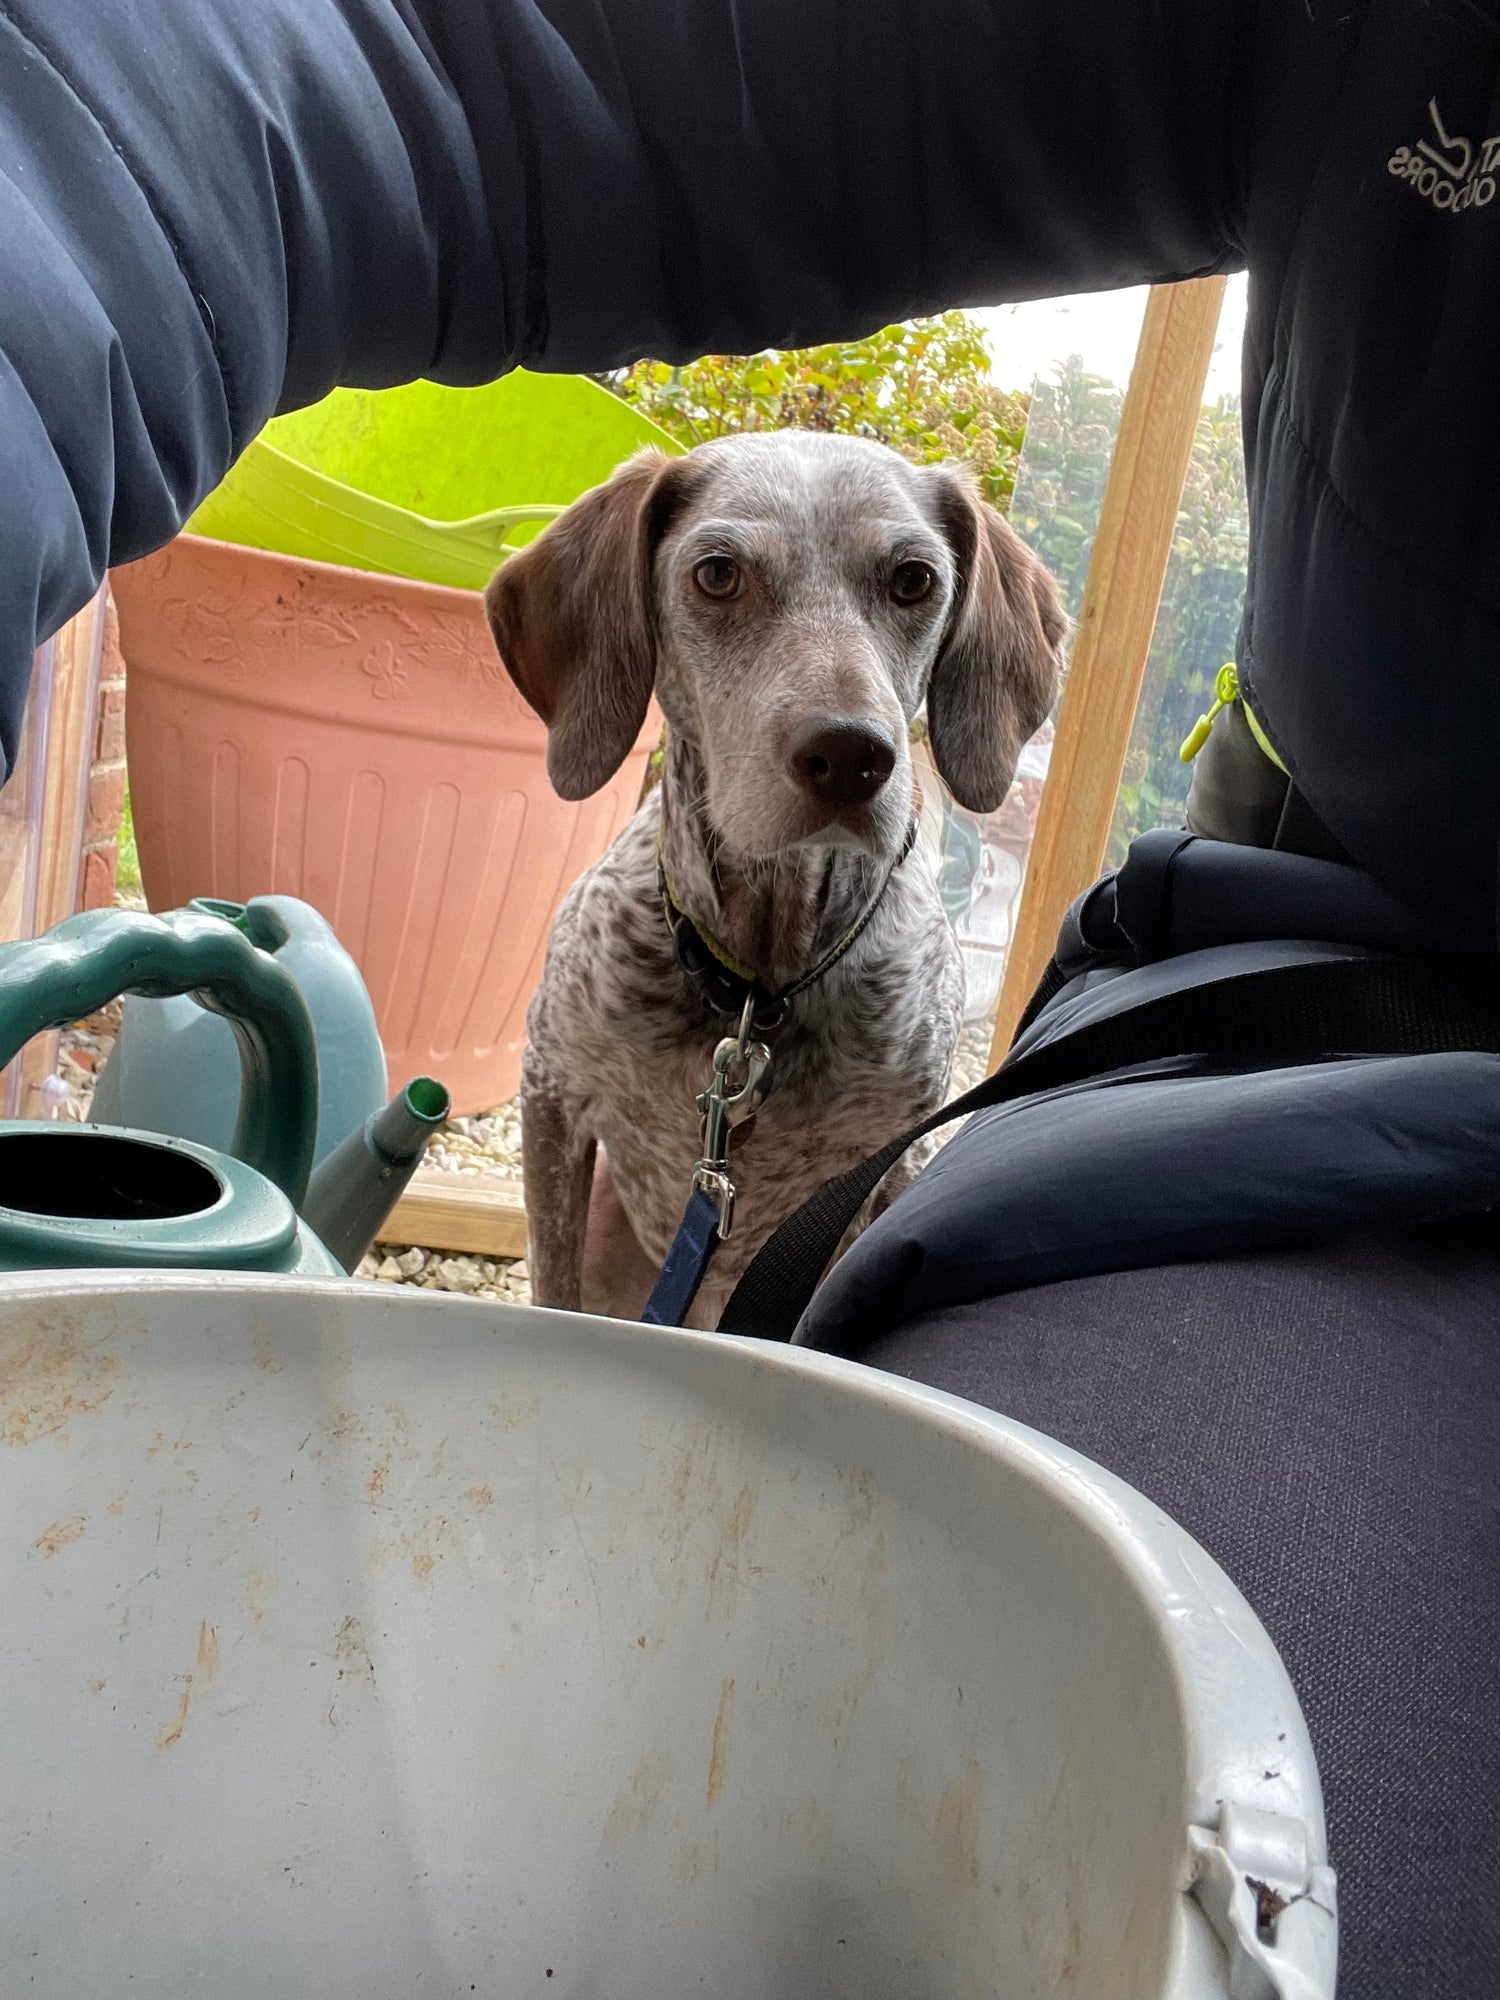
x=1103, y=328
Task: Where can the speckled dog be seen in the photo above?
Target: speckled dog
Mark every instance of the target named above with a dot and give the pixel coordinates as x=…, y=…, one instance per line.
x=792, y=599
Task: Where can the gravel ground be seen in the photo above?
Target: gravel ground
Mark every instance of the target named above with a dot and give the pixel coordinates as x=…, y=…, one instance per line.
x=446, y=1271
x=488, y=1144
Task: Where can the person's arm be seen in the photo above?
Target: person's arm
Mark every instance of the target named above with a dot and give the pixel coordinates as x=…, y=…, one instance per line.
x=722, y=175
x=210, y=211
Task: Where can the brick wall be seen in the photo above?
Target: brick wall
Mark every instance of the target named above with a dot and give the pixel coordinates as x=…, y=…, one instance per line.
x=96, y=885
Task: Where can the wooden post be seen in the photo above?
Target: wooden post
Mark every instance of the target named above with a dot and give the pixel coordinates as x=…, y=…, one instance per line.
x=1120, y=598
x=65, y=784
x=70, y=759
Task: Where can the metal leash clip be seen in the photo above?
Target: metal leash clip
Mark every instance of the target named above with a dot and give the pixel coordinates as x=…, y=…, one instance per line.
x=741, y=1082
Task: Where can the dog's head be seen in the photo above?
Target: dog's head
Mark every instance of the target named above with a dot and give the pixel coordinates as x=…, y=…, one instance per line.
x=792, y=598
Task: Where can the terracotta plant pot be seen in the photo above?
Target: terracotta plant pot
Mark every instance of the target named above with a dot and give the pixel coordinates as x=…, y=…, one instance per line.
x=299, y=729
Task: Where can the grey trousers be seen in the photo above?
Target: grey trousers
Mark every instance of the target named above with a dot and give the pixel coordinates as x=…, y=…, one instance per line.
x=1326, y=1423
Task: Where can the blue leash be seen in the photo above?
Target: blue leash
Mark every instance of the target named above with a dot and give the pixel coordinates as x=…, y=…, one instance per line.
x=686, y=1263
x=739, y=1086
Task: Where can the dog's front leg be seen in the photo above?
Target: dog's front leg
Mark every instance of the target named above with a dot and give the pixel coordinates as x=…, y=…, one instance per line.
x=557, y=1154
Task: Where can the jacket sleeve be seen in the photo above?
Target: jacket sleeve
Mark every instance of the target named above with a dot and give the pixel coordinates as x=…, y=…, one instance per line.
x=212, y=211
x=721, y=175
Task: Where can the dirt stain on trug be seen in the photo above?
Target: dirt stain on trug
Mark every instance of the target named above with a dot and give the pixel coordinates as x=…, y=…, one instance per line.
x=742, y=1514
x=956, y=1836
x=718, y=1753
x=1269, y=1904
x=170, y=1733
x=205, y=1669
x=51, y=1541
x=424, y=1549
x=49, y=1379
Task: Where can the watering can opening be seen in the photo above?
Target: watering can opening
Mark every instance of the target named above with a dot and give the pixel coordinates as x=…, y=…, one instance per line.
x=107, y=1180
x=232, y=913
x=427, y=1098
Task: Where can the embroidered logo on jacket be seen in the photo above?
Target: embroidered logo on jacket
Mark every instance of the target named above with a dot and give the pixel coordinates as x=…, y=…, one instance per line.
x=1453, y=174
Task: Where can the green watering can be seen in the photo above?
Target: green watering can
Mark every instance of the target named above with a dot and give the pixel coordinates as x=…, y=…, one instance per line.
x=108, y=1195
x=173, y=1067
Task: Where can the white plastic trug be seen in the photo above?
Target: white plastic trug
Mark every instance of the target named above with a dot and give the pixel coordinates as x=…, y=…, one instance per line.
x=367, y=1642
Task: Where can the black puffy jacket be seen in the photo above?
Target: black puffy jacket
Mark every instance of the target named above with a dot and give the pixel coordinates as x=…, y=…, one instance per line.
x=210, y=211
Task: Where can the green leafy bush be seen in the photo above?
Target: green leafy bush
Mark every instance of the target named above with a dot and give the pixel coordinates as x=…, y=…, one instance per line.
x=1070, y=437
x=923, y=387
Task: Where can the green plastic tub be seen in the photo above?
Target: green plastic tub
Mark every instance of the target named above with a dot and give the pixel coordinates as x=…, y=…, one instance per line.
x=426, y=482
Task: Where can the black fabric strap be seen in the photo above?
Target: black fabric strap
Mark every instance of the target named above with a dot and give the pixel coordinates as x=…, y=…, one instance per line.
x=1288, y=1014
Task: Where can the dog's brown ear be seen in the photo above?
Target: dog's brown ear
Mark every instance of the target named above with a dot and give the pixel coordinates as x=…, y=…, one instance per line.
x=574, y=621
x=996, y=674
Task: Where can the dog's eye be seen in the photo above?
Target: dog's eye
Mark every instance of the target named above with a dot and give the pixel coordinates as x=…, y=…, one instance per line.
x=719, y=577
x=911, y=581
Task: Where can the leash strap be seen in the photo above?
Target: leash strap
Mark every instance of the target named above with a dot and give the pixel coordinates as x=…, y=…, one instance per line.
x=742, y=1078
x=1284, y=1015
x=686, y=1263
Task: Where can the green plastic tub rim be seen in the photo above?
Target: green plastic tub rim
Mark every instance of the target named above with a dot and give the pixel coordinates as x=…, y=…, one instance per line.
x=427, y=482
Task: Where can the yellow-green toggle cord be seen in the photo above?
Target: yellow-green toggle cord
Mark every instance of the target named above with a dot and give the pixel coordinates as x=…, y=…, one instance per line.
x=1226, y=690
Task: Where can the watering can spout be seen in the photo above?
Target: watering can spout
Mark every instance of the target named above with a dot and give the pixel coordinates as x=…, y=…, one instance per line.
x=362, y=1179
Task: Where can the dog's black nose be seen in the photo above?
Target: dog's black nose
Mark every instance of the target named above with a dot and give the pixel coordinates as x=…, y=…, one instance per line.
x=840, y=763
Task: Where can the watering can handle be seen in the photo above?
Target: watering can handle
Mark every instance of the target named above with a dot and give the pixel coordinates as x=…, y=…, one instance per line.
x=91, y=959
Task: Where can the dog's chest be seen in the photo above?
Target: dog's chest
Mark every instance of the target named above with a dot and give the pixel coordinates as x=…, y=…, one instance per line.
x=829, y=1106
x=626, y=1036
